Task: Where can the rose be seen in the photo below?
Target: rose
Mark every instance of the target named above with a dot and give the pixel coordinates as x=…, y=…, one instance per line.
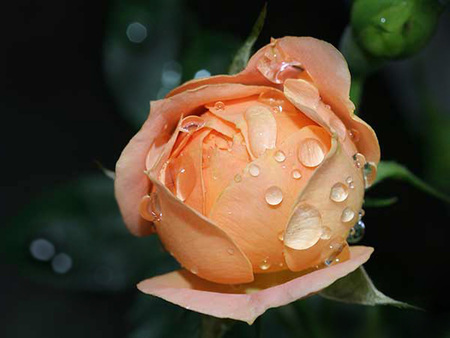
x=252, y=182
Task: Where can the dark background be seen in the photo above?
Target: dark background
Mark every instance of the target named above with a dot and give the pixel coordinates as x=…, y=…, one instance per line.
x=68, y=97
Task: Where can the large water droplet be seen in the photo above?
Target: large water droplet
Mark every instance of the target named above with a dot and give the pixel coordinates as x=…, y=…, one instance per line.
x=347, y=215
x=296, y=174
x=265, y=264
x=311, y=153
x=359, y=159
x=370, y=174
x=304, y=228
x=219, y=105
x=191, y=124
x=150, y=208
x=279, y=156
x=356, y=233
x=274, y=195
x=339, y=192
x=254, y=170
x=276, y=67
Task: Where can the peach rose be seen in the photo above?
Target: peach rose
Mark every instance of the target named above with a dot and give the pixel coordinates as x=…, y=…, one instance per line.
x=252, y=182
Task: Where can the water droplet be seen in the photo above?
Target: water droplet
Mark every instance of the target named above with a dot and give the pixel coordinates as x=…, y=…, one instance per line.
x=383, y=20
x=361, y=213
x=339, y=192
x=335, y=249
x=359, y=159
x=281, y=236
x=354, y=135
x=253, y=170
x=304, y=228
x=230, y=251
x=265, y=264
x=356, y=233
x=349, y=180
x=326, y=233
x=194, y=270
x=281, y=264
x=370, y=173
x=311, y=153
x=273, y=98
x=347, y=215
x=191, y=124
x=219, y=105
x=41, y=249
x=296, y=174
x=150, y=208
x=202, y=73
x=279, y=156
x=277, y=109
x=274, y=195
x=237, y=178
x=61, y=263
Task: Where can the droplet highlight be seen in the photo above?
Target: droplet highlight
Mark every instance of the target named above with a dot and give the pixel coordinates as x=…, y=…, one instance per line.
x=254, y=170
x=191, y=124
x=369, y=173
x=296, y=174
x=347, y=215
x=219, y=105
x=274, y=196
x=304, y=228
x=354, y=135
x=311, y=152
x=279, y=156
x=339, y=192
x=359, y=159
x=356, y=233
x=326, y=233
x=265, y=264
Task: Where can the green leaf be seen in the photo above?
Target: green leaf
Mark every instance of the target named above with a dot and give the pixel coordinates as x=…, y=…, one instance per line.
x=393, y=170
x=358, y=288
x=243, y=54
x=370, y=202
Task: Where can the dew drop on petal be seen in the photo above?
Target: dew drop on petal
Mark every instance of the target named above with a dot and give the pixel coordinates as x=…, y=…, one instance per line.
x=356, y=233
x=311, y=153
x=349, y=180
x=219, y=105
x=359, y=159
x=354, y=135
x=230, y=251
x=339, y=192
x=237, y=178
x=304, y=228
x=274, y=195
x=279, y=156
x=265, y=264
x=194, y=270
x=296, y=174
x=254, y=170
x=347, y=215
x=150, y=208
x=191, y=124
x=335, y=249
x=369, y=173
x=326, y=233
x=281, y=236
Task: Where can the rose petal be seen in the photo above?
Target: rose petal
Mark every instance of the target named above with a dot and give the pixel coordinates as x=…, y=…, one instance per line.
x=329, y=72
x=131, y=184
x=197, y=243
x=242, y=208
x=336, y=168
x=189, y=291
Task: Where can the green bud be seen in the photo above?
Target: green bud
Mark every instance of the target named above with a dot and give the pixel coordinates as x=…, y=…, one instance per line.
x=393, y=29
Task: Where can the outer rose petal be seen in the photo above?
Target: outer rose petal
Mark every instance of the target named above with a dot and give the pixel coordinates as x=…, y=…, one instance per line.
x=224, y=301
x=131, y=184
x=198, y=244
x=336, y=168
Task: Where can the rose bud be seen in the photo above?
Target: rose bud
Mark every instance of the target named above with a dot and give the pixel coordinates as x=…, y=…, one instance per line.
x=252, y=181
